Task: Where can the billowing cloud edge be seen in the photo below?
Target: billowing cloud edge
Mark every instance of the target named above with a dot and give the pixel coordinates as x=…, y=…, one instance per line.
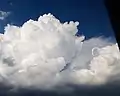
x=46, y=53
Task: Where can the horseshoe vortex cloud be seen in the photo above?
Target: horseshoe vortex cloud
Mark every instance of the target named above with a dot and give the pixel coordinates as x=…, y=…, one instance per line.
x=47, y=53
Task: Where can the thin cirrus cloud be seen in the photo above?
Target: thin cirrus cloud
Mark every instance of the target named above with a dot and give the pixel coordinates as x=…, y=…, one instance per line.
x=4, y=15
x=46, y=53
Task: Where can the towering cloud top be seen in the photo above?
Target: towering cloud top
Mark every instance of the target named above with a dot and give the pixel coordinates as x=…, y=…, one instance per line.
x=46, y=53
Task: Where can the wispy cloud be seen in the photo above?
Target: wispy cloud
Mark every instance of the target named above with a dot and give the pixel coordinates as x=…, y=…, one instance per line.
x=3, y=15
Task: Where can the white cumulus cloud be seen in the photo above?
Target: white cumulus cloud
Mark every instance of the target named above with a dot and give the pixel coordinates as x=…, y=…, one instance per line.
x=46, y=53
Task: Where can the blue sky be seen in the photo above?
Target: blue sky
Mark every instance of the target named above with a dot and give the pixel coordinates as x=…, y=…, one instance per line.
x=91, y=14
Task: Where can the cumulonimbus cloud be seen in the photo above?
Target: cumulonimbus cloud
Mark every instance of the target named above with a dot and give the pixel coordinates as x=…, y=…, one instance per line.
x=46, y=53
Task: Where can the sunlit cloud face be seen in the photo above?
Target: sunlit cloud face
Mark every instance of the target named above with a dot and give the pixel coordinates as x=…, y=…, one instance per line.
x=46, y=53
x=3, y=15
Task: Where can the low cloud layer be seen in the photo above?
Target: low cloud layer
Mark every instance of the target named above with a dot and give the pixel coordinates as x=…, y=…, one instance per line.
x=46, y=53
